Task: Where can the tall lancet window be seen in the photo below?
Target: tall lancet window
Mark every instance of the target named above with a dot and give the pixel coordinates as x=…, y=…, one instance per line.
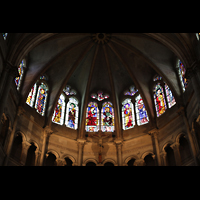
x=58, y=115
x=72, y=113
x=92, y=117
x=31, y=97
x=41, y=98
x=21, y=73
x=107, y=117
x=170, y=98
x=181, y=72
x=128, y=114
x=5, y=35
x=159, y=99
x=141, y=112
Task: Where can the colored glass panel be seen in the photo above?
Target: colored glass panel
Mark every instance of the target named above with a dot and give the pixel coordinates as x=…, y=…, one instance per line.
x=99, y=96
x=68, y=91
x=92, y=117
x=58, y=116
x=157, y=78
x=141, y=112
x=107, y=117
x=41, y=99
x=182, y=72
x=21, y=72
x=131, y=91
x=170, y=98
x=72, y=114
x=5, y=35
x=159, y=99
x=31, y=96
x=128, y=119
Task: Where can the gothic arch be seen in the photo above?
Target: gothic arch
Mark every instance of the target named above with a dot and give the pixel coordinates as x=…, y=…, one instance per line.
x=35, y=143
x=70, y=157
x=109, y=160
x=90, y=160
x=179, y=135
x=147, y=153
x=54, y=152
x=131, y=157
x=170, y=142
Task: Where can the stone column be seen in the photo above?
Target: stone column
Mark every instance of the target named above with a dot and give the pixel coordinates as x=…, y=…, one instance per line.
x=20, y=111
x=175, y=147
x=60, y=162
x=37, y=157
x=46, y=134
x=8, y=76
x=154, y=134
x=163, y=155
x=81, y=143
x=25, y=147
x=181, y=112
x=118, y=143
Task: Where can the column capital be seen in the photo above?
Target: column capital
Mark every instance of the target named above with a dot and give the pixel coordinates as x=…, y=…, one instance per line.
x=20, y=111
x=153, y=132
x=181, y=110
x=12, y=70
x=175, y=145
x=47, y=131
x=118, y=141
x=81, y=141
x=26, y=144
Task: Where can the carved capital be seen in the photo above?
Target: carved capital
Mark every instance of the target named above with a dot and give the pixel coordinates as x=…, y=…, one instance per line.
x=47, y=131
x=175, y=145
x=154, y=132
x=20, y=111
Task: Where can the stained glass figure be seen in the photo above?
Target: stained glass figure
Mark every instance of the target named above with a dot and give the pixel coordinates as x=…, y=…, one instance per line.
x=5, y=35
x=43, y=77
x=31, y=97
x=159, y=99
x=131, y=91
x=157, y=78
x=21, y=72
x=170, y=98
x=92, y=117
x=107, y=117
x=99, y=96
x=41, y=99
x=141, y=112
x=182, y=72
x=58, y=116
x=68, y=91
x=72, y=114
x=128, y=119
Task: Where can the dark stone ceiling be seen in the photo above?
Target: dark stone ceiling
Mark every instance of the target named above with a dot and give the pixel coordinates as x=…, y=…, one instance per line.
x=69, y=59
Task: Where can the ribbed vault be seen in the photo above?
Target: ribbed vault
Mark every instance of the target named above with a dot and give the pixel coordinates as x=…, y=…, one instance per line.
x=109, y=62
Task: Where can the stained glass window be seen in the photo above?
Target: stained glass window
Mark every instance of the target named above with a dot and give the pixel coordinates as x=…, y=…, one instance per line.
x=21, y=72
x=107, y=117
x=92, y=117
x=99, y=96
x=131, y=91
x=182, y=71
x=157, y=78
x=68, y=91
x=72, y=114
x=5, y=35
x=128, y=119
x=58, y=116
x=159, y=99
x=31, y=97
x=41, y=98
x=141, y=112
x=170, y=98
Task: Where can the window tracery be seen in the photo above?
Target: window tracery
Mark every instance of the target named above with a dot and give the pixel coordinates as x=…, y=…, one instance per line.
x=181, y=71
x=99, y=96
x=5, y=35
